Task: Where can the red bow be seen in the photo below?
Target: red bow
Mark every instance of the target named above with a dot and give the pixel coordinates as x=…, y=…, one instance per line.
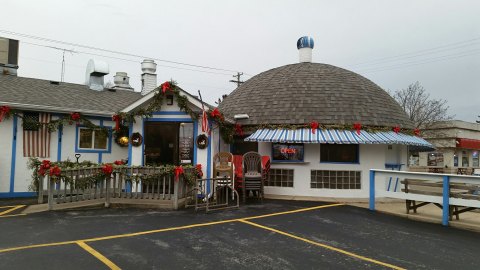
x=357, y=127
x=314, y=125
x=199, y=171
x=107, y=169
x=166, y=87
x=239, y=129
x=4, y=110
x=416, y=132
x=216, y=113
x=55, y=171
x=118, y=162
x=178, y=170
x=117, y=118
x=75, y=116
x=396, y=129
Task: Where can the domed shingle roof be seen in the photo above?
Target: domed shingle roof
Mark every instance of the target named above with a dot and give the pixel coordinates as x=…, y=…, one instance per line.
x=301, y=93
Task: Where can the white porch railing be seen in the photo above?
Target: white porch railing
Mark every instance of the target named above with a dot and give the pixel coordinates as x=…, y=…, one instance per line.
x=125, y=185
x=388, y=184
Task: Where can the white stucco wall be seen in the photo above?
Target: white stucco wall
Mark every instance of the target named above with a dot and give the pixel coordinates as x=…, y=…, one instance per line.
x=6, y=134
x=22, y=174
x=370, y=157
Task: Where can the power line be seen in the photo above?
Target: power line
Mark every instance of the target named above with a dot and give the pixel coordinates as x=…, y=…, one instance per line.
x=125, y=59
x=422, y=52
x=110, y=51
x=424, y=61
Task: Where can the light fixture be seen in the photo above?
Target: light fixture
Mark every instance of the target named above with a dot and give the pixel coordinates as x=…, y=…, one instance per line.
x=241, y=116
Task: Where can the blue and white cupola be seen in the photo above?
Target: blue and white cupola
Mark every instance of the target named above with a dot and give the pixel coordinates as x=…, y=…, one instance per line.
x=305, y=47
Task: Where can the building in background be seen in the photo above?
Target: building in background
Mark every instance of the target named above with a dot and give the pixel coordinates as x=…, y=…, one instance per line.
x=457, y=146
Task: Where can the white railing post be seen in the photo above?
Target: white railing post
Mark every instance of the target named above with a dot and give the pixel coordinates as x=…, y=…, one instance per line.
x=107, y=191
x=372, y=191
x=40, y=189
x=51, y=186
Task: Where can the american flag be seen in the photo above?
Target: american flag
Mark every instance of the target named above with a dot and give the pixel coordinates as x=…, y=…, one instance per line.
x=205, y=127
x=36, y=143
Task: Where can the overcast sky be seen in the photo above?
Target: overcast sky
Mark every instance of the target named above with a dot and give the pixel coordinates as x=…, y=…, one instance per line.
x=393, y=43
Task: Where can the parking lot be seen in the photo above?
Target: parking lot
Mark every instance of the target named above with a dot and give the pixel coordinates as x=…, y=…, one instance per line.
x=272, y=235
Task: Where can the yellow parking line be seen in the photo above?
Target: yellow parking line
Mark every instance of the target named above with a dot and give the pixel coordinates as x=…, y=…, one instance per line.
x=294, y=211
x=12, y=209
x=163, y=230
x=99, y=256
x=322, y=245
x=16, y=215
x=8, y=206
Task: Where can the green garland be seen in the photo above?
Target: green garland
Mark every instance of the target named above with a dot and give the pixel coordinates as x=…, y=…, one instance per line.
x=156, y=103
x=190, y=173
x=253, y=128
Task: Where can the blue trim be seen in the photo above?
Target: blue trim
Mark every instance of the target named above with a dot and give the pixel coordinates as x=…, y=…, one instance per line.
x=143, y=142
x=195, y=134
x=17, y=194
x=446, y=200
x=100, y=153
x=372, y=191
x=130, y=132
x=209, y=158
x=128, y=186
x=109, y=143
x=352, y=163
x=14, y=153
x=186, y=120
x=170, y=113
x=59, y=144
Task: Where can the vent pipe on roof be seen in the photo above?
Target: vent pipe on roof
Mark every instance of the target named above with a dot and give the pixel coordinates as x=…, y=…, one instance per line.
x=121, y=81
x=94, y=77
x=305, y=47
x=8, y=56
x=149, y=77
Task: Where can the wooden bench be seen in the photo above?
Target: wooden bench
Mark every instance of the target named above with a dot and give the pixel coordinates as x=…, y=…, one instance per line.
x=424, y=187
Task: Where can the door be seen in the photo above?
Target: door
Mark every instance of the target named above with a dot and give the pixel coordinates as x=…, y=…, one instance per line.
x=161, y=143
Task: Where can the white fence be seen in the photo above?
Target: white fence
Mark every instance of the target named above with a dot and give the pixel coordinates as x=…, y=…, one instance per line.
x=391, y=184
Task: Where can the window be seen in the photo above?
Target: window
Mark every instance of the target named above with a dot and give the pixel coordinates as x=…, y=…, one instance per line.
x=342, y=153
x=287, y=152
x=335, y=179
x=92, y=140
x=435, y=159
x=280, y=178
x=475, y=159
x=414, y=159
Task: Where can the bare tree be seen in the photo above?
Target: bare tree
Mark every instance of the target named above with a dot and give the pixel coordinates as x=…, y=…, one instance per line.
x=420, y=108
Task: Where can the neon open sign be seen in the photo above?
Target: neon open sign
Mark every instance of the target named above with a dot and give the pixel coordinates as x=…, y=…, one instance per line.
x=288, y=150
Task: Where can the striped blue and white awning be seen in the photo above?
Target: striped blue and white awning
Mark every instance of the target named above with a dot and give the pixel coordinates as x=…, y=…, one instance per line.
x=305, y=135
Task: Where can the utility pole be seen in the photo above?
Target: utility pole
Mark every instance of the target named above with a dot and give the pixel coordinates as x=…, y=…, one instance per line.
x=238, y=81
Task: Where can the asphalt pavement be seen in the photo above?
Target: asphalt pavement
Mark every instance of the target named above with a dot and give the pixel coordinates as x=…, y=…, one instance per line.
x=273, y=235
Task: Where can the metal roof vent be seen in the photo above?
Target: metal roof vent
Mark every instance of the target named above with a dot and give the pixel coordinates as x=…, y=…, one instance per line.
x=305, y=47
x=121, y=82
x=94, y=77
